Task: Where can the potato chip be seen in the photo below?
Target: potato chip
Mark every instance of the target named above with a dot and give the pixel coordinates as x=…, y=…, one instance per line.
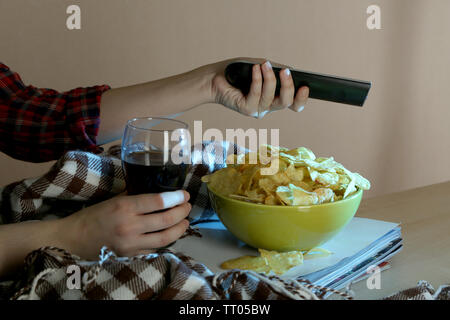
x=351, y=187
x=255, y=195
x=257, y=264
x=289, y=158
x=361, y=182
x=324, y=195
x=272, y=200
x=280, y=178
x=224, y=181
x=316, y=253
x=268, y=185
x=272, y=149
x=301, y=153
x=247, y=174
x=325, y=178
x=343, y=179
x=278, y=163
x=301, y=178
x=294, y=174
x=280, y=262
x=296, y=196
x=306, y=185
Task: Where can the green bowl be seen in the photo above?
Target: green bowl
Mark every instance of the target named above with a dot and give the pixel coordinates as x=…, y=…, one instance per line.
x=284, y=228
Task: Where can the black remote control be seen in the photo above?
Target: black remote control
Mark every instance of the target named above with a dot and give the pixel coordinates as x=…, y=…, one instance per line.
x=322, y=87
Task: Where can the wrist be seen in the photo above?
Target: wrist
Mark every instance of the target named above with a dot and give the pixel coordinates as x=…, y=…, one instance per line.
x=66, y=235
x=205, y=76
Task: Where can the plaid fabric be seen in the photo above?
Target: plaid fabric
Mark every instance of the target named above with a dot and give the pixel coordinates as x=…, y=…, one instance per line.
x=39, y=125
x=164, y=275
x=76, y=180
x=423, y=291
x=80, y=178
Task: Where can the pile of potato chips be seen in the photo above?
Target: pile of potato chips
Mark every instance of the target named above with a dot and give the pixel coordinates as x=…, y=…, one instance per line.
x=301, y=178
x=278, y=262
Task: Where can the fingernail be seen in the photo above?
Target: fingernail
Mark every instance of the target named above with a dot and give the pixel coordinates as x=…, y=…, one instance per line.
x=172, y=199
x=268, y=65
x=300, y=109
x=287, y=72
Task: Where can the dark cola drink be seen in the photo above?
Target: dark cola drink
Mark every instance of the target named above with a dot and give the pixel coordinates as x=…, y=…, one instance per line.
x=146, y=172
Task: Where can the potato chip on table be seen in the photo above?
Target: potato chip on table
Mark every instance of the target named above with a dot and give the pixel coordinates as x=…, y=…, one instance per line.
x=273, y=261
x=278, y=262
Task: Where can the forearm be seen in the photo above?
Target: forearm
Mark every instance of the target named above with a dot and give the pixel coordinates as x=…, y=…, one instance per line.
x=19, y=239
x=163, y=97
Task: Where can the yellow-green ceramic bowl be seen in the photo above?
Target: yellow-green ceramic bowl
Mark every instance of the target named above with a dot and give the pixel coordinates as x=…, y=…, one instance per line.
x=284, y=228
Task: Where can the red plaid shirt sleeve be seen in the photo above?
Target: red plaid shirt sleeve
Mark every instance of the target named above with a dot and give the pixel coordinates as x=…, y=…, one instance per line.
x=39, y=125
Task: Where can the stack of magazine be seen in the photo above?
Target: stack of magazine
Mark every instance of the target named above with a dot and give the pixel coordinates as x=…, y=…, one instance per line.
x=362, y=245
x=361, y=264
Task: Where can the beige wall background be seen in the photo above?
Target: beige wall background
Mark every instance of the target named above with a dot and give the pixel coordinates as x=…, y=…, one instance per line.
x=399, y=140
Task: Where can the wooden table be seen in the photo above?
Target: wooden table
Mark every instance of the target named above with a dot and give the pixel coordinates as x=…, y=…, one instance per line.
x=424, y=214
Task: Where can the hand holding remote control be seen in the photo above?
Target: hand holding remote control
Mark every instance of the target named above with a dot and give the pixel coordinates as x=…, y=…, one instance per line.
x=260, y=98
x=323, y=87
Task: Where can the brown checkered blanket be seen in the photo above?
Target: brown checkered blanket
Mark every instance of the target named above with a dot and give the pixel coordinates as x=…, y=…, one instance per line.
x=165, y=274
x=80, y=179
x=423, y=291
